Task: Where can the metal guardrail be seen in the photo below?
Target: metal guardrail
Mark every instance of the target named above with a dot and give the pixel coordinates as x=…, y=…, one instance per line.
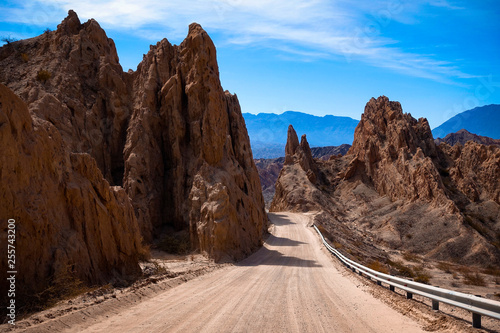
x=477, y=305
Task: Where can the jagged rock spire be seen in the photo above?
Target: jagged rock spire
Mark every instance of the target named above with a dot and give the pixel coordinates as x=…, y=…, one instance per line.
x=292, y=142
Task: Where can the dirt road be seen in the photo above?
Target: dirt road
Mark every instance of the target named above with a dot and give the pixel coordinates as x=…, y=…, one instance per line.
x=290, y=285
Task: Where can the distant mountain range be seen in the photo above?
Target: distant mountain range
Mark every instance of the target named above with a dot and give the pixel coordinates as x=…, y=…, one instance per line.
x=268, y=131
x=483, y=121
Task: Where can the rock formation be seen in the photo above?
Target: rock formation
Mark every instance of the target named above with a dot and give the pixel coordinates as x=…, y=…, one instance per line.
x=396, y=152
x=300, y=153
x=86, y=97
x=188, y=162
x=67, y=216
x=401, y=191
x=475, y=170
x=300, y=165
x=463, y=136
x=325, y=153
x=269, y=169
x=167, y=133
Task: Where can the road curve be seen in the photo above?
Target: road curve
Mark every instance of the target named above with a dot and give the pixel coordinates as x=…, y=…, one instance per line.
x=289, y=285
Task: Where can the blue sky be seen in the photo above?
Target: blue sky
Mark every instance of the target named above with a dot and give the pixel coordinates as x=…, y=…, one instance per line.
x=437, y=57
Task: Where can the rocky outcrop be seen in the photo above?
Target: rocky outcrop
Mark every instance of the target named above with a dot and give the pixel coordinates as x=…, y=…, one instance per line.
x=475, y=170
x=167, y=132
x=269, y=169
x=396, y=152
x=325, y=153
x=188, y=162
x=68, y=219
x=292, y=143
x=398, y=190
x=86, y=97
x=463, y=136
x=300, y=153
x=299, y=165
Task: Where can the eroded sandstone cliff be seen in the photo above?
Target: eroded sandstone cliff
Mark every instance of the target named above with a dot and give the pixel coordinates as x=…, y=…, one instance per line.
x=167, y=132
x=68, y=219
x=171, y=143
x=188, y=161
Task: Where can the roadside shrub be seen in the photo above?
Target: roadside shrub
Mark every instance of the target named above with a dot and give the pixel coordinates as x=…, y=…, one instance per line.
x=421, y=275
x=25, y=57
x=64, y=285
x=445, y=267
x=408, y=256
x=175, y=244
x=378, y=266
x=475, y=279
x=402, y=269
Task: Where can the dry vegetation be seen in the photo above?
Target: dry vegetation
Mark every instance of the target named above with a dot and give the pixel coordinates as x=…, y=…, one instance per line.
x=43, y=75
x=65, y=285
x=178, y=243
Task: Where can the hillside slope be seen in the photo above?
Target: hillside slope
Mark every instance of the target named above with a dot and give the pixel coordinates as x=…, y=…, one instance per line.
x=396, y=190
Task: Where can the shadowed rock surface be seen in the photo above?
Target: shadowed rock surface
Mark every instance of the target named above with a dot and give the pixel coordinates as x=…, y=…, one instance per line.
x=395, y=189
x=188, y=162
x=69, y=221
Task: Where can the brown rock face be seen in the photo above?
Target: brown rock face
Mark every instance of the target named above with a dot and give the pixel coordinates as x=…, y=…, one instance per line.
x=188, y=162
x=168, y=132
x=298, y=157
x=300, y=153
x=86, y=96
x=475, y=170
x=463, y=136
x=395, y=151
x=292, y=142
x=269, y=169
x=396, y=189
x=67, y=216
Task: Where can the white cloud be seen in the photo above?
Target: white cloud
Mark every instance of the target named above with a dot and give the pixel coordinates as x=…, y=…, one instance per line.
x=349, y=29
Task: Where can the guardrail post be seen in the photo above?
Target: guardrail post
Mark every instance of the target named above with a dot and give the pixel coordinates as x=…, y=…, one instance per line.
x=379, y=283
x=391, y=287
x=476, y=320
x=435, y=305
x=409, y=295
